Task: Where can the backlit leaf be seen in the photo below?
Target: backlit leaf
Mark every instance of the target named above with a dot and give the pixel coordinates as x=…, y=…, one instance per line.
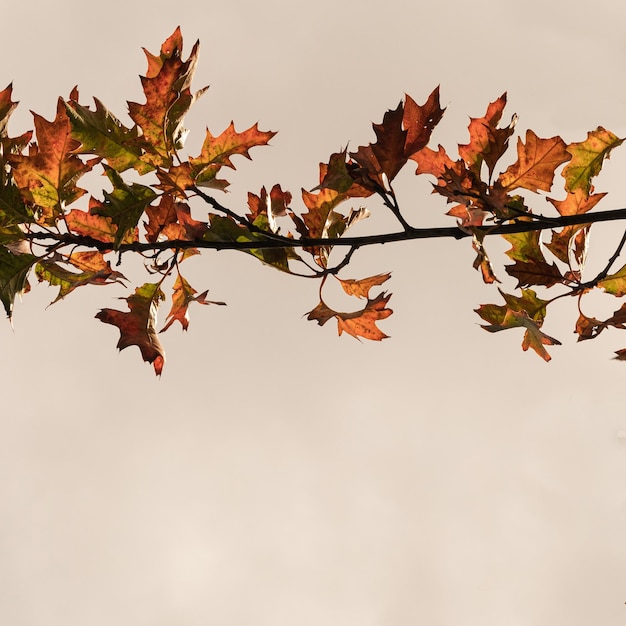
x=536, y=161
x=419, y=121
x=168, y=98
x=358, y=323
x=138, y=326
x=615, y=283
x=48, y=175
x=487, y=142
x=101, y=133
x=526, y=312
x=587, y=158
x=14, y=270
x=183, y=295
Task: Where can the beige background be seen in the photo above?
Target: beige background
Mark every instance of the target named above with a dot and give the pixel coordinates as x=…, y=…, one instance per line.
x=277, y=474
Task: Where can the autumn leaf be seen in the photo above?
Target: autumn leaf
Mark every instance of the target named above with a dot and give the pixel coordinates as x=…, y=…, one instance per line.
x=138, y=326
x=336, y=175
x=124, y=205
x=216, y=153
x=47, y=176
x=168, y=99
x=434, y=163
x=226, y=229
x=576, y=202
x=419, y=121
x=358, y=323
x=530, y=267
x=590, y=327
x=14, y=270
x=536, y=162
x=96, y=271
x=7, y=106
x=361, y=288
x=487, y=142
x=615, y=283
x=528, y=312
x=97, y=227
x=265, y=209
x=99, y=132
x=386, y=156
x=183, y=295
x=587, y=158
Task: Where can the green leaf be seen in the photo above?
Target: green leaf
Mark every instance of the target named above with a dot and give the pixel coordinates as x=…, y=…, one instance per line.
x=226, y=229
x=14, y=270
x=615, y=283
x=100, y=132
x=587, y=158
x=124, y=205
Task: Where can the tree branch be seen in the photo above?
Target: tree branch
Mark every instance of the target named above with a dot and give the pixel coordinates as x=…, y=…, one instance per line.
x=273, y=241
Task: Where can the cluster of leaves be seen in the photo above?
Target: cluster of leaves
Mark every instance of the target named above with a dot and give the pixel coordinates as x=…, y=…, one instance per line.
x=49, y=230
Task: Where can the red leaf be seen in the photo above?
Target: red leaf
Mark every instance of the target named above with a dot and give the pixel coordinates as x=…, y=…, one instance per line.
x=138, y=326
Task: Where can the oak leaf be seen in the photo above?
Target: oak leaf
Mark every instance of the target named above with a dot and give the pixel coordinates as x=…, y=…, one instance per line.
x=358, y=323
x=528, y=312
x=101, y=133
x=138, y=326
x=384, y=158
x=124, y=205
x=183, y=295
x=168, y=99
x=530, y=267
x=487, y=142
x=14, y=270
x=537, y=159
x=615, y=283
x=590, y=327
x=95, y=271
x=587, y=157
x=361, y=288
x=419, y=121
x=47, y=176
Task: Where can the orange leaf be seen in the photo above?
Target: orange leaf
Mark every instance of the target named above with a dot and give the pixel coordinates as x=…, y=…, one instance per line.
x=487, y=142
x=359, y=323
x=183, y=295
x=536, y=162
x=361, y=288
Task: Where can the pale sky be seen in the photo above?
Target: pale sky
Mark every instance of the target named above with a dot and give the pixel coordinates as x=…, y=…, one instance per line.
x=278, y=474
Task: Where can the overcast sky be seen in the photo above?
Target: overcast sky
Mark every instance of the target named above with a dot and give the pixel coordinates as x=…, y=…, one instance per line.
x=278, y=474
